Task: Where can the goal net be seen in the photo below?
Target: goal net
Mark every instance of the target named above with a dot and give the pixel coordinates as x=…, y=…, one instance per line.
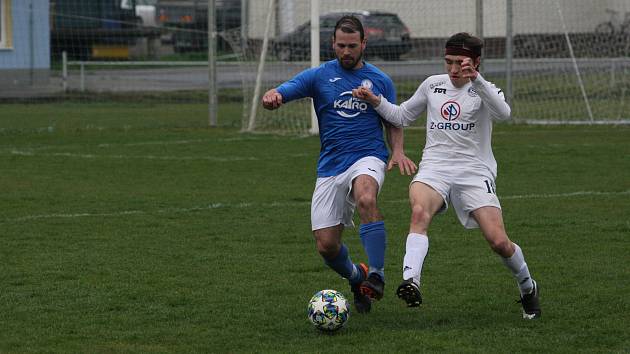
x=558, y=69
x=144, y=63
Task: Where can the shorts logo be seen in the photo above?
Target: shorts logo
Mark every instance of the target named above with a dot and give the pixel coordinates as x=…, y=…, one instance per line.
x=366, y=83
x=450, y=110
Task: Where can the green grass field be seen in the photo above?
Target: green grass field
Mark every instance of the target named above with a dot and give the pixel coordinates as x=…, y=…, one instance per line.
x=170, y=237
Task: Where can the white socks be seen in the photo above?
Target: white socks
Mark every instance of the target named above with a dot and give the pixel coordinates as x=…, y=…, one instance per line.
x=418, y=246
x=416, y=249
x=519, y=269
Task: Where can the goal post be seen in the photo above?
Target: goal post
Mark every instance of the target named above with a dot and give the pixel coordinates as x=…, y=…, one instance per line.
x=314, y=48
x=574, y=62
x=314, y=56
x=554, y=65
x=251, y=125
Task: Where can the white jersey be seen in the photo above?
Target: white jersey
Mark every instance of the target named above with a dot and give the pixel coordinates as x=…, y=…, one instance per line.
x=459, y=120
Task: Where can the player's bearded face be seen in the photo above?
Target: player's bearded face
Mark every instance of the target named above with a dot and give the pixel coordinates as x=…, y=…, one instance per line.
x=349, y=49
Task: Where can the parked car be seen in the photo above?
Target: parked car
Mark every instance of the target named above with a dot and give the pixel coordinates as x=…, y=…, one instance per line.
x=189, y=18
x=388, y=37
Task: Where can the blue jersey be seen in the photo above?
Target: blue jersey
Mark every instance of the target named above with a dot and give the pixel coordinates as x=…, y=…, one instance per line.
x=349, y=129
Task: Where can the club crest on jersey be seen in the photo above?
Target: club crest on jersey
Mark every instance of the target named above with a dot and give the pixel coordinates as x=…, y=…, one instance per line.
x=350, y=104
x=366, y=83
x=472, y=92
x=450, y=110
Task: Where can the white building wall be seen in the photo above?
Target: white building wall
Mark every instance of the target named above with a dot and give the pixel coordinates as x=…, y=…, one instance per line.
x=441, y=18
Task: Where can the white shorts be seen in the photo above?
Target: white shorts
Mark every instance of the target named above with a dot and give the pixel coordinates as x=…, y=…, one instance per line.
x=333, y=203
x=466, y=189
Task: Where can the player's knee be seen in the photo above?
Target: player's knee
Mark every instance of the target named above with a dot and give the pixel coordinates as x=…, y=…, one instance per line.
x=419, y=215
x=366, y=204
x=501, y=246
x=327, y=248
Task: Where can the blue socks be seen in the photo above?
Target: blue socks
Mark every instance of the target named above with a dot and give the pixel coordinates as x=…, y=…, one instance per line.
x=374, y=238
x=344, y=267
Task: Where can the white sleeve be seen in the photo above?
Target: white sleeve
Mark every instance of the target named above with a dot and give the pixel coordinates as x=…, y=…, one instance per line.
x=493, y=97
x=407, y=112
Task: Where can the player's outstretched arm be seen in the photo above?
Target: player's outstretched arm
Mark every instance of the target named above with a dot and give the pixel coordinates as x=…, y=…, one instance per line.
x=399, y=116
x=395, y=137
x=365, y=94
x=272, y=99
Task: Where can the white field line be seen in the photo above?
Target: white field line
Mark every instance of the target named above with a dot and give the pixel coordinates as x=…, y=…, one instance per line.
x=277, y=205
x=564, y=195
x=108, y=145
x=158, y=142
x=135, y=212
x=152, y=157
x=193, y=141
x=165, y=142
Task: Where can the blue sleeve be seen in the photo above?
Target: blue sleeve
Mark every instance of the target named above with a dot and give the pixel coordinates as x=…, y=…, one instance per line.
x=390, y=91
x=299, y=86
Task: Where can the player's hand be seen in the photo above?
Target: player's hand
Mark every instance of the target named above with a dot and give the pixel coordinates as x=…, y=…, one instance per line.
x=365, y=94
x=468, y=69
x=272, y=99
x=406, y=166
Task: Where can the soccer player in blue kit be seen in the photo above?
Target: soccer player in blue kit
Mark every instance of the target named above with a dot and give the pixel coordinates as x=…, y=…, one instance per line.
x=353, y=156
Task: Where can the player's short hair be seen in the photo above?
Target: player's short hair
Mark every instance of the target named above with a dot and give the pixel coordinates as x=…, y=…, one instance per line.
x=349, y=24
x=463, y=43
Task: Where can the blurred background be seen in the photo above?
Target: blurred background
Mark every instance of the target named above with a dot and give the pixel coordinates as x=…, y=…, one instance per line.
x=561, y=61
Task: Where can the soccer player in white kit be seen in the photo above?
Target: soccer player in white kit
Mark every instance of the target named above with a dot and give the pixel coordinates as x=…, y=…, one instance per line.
x=457, y=163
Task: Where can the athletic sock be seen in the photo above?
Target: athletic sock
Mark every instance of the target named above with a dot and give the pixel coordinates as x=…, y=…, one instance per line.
x=374, y=239
x=416, y=249
x=344, y=266
x=518, y=267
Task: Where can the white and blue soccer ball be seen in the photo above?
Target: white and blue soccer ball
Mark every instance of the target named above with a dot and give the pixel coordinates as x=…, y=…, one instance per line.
x=328, y=310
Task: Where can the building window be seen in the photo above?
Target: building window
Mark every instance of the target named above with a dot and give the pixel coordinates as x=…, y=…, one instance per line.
x=5, y=24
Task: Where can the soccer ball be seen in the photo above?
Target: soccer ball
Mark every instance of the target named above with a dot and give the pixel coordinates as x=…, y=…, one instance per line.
x=328, y=310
